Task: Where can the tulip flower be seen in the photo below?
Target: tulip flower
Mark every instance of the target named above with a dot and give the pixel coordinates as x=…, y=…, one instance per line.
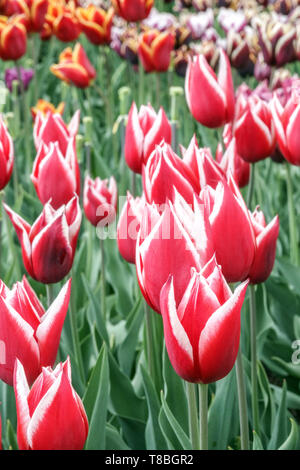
x=6, y=155
x=96, y=23
x=232, y=230
x=129, y=225
x=145, y=129
x=56, y=176
x=171, y=243
x=165, y=171
x=30, y=333
x=48, y=246
x=74, y=67
x=44, y=107
x=155, y=50
x=52, y=128
x=50, y=415
x=202, y=328
x=231, y=163
x=61, y=21
x=12, y=74
x=133, y=10
x=276, y=39
x=266, y=238
x=13, y=37
x=202, y=164
x=100, y=199
x=253, y=129
x=34, y=11
x=210, y=98
x=286, y=121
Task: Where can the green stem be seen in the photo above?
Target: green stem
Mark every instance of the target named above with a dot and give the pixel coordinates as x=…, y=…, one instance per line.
x=243, y=411
x=103, y=280
x=75, y=337
x=254, y=396
x=26, y=111
x=294, y=257
x=141, y=84
x=203, y=413
x=193, y=416
x=251, y=186
x=149, y=340
x=50, y=294
x=157, y=89
x=1, y=224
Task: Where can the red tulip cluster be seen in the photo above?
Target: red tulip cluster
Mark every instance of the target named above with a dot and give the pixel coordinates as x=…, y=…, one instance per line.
x=193, y=221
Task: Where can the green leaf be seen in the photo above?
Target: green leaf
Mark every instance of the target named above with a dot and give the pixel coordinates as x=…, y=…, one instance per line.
x=96, y=401
x=223, y=416
x=11, y=436
x=173, y=432
x=127, y=349
x=279, y=433
x=175, y=393
x=114, y=440
x=292, y=441
x=123, y=399
x=96, y=311
x=257, y=444
x=154, y=437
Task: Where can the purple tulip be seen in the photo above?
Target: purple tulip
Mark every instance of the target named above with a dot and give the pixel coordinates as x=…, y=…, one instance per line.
x=12, y=74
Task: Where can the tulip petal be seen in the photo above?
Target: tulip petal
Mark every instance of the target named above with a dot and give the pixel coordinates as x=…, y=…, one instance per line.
x=219, y=340
x=178, y=345
x=49, y=331
x=21, y=389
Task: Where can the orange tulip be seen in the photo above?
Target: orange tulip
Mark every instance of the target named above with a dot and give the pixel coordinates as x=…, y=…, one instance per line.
x=96, y=23
x=13, y=37
x=34, y=10
x=155, y=50
x=61, y=21
x=133, y=10
x=46, y=107
x=74, y=67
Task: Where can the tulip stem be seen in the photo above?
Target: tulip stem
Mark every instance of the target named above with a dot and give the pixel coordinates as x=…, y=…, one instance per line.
x=243, y=411
x=251, y=186
x=149, y=340
x=25, y=118
x=254, y=396
x=75, y=337
x=141, y=83
x=292, y=218
x=193, y=415
x=203, y=415
x=50, y=294
x=103, y=280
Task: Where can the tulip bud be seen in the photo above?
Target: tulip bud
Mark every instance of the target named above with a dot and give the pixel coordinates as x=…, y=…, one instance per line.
x=210, y=98
x=52, y=128
x=13, y=38
x=165, y=171
x=266, y=238
x=128, y=227
x=96, y=23
x=287, y=125
x=145, y=129
x=202, y=325
x=28, y=332
x=6, y=155
x=155, y=50
x=253, y=129
x=74, y=67
x=179, y=229
x=51, y=415
x=48, y=246
x=56, y=176
x=100, y=199
x=133, y=10
x=232, y=231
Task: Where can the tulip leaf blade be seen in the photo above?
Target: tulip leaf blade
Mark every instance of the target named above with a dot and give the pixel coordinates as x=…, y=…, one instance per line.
x=292, y=440
x=96, y=402
x=154, y=437
x=173, y=432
